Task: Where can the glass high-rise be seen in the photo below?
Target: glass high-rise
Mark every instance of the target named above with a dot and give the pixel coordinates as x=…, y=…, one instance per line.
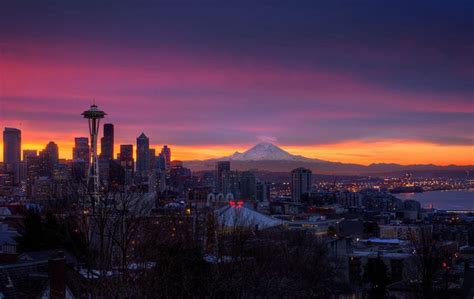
x=143, y=156
x=53, y=151
x=12, y=152
x=80, y=152
x=166, y=152
x=247, y=185
x=301, y=182
x=127, y=163
x=222, y=175
x=107, y=143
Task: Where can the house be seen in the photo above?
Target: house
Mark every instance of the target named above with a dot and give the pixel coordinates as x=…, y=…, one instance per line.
x=40, y=278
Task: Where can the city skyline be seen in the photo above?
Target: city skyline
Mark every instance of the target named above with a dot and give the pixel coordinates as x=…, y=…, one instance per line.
x=190, y=153
x=211, y=79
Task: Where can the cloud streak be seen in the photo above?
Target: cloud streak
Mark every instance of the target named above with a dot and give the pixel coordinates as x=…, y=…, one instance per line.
x=227, y=75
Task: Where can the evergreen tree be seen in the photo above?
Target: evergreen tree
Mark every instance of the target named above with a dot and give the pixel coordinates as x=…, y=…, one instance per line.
x=31, y=231
x=375, y=273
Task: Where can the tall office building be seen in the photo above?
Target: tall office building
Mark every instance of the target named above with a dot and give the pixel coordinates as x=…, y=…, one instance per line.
x=143, y=156
x=33, y=168
x=157, y=181
x=247, y=185
x=160, y=162
x=53, y=151
x=27, y=154
x=80, y=151
x=12, y=152
x=104, y=170
x=126, y=161
x=116, y=180
x=152, y=158
x=48, y=158
x=222, y=175
x=126, y=153
x=301, y=182
x=80, y=158
x=166, y=152
x=231, y=183
x=106, y=154
x=107, y=143
x=262, y=191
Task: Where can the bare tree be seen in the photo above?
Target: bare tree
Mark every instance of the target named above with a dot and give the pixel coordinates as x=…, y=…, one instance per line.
x=432, y=260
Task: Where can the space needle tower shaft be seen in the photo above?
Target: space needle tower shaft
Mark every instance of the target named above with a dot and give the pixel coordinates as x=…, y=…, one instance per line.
x=93, y=115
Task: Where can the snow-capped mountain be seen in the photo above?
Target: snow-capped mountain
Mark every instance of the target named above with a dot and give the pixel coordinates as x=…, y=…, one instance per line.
x=265, y=152
x=268, y=157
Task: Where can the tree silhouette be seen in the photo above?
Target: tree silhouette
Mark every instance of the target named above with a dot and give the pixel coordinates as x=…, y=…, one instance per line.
x=375, y=273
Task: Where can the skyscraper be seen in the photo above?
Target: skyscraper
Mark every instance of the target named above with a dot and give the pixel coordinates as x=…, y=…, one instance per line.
x=222, y=175
x=33, y=167
x=231, y=183
x=80, y=151
x=80, y=158
x=116, y=180
x=247, y=185
x=160, y=162
x=27, y=154
x=12, y=152
x=143, y=156
x=262, y=191
x=53, y=150
x=157, y=181
x=152, y=158
x=166, y=152
x=126, y=161
x=301, y=182
x=106, y=154
x=126, y=153
x=45, y=162
x=107, y=143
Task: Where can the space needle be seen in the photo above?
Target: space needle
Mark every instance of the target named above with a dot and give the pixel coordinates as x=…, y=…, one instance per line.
x=93, y=115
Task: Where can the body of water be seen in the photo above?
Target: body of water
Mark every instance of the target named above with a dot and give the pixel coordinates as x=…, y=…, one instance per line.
x=445, y=200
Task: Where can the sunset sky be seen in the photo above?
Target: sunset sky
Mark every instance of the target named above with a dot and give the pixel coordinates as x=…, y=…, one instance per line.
x=349, y=81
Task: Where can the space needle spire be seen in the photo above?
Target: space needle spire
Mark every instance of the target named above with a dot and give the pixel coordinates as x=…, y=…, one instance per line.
x=93, y=115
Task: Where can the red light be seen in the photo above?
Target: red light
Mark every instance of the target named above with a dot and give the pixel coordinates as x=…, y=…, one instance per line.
x=237, y=204
x=445, y=265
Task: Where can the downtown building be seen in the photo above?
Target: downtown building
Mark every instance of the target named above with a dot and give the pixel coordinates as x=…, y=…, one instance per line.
x=262, y=191
x=247, y=186
x=301, y=183
x=107, y=155
x=227, y=181
x=143, y=157
x=53, y=152
x=166, y=155
x=32, y=166
x=127, y=163
x=49, y=158
x=107, y=143
x=12, y=153
x=80, y=158
x=222, y=174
